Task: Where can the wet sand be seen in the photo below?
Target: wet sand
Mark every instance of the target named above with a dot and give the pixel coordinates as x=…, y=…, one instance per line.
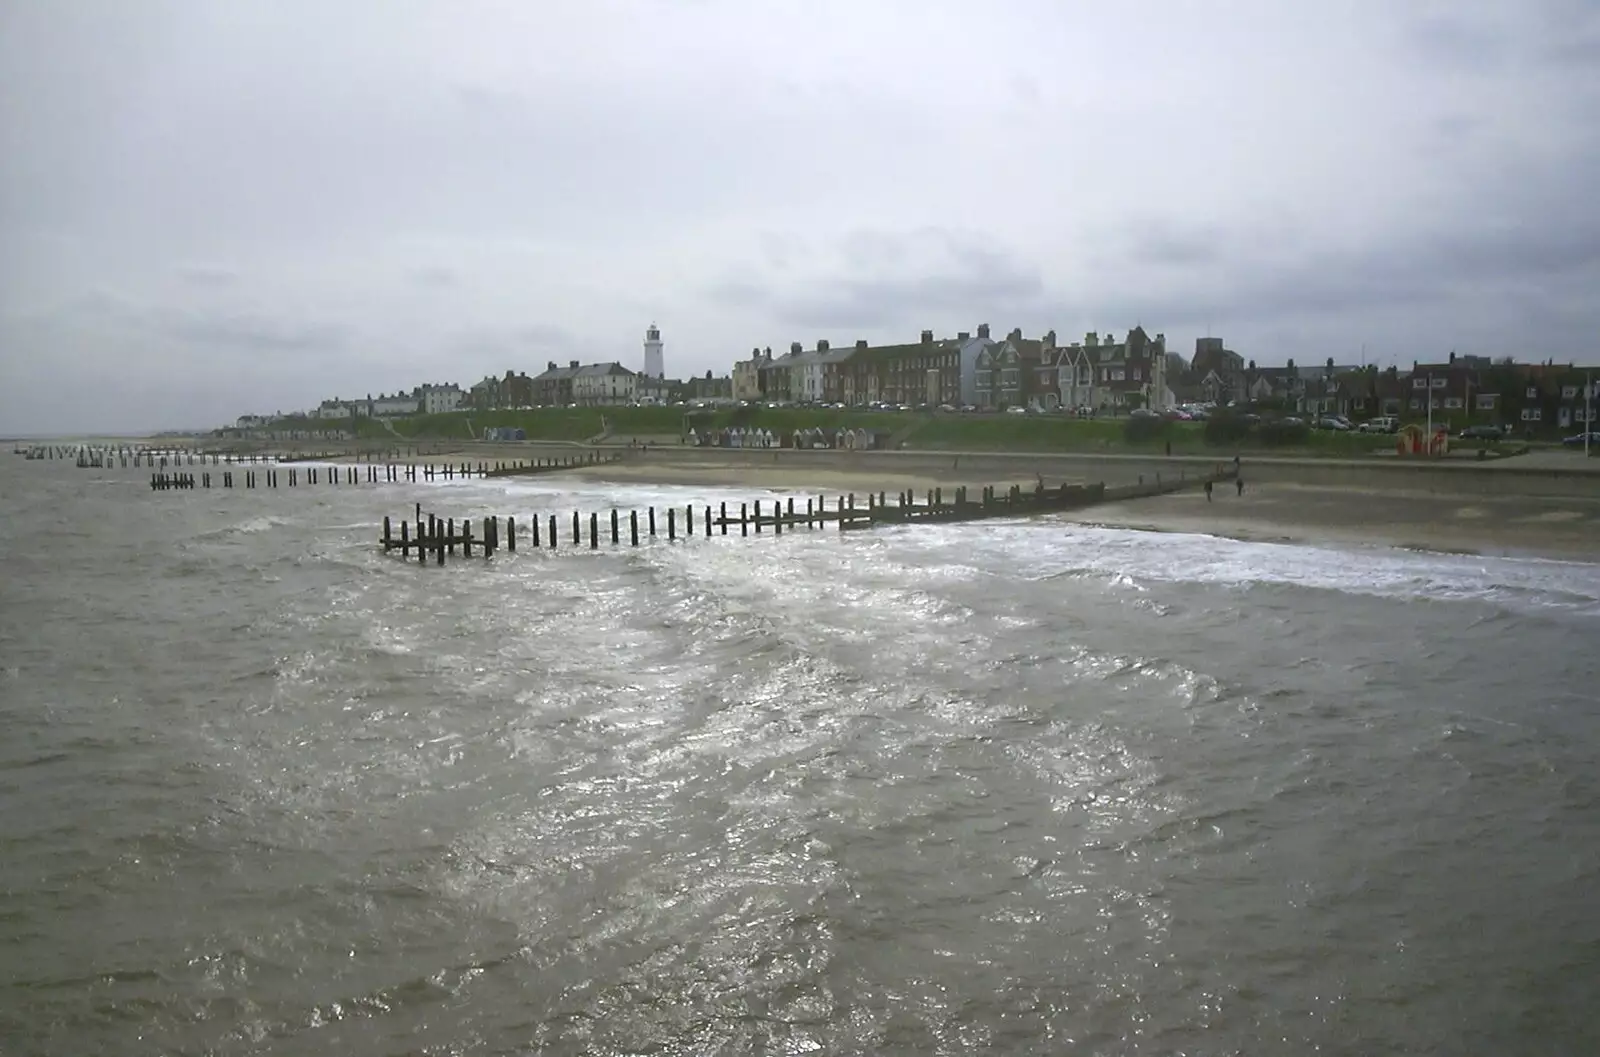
x=1556, y=527
x=840, y=478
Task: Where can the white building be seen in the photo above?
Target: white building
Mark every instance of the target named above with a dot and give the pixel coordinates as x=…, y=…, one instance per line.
x=385, y=406
x=602, y=384
x=438, y=399
x=654, y=362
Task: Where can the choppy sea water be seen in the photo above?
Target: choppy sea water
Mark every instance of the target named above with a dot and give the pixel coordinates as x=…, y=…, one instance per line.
x=1014, y=787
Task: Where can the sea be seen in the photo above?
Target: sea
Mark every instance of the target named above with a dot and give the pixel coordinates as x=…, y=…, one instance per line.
x=1009, y=787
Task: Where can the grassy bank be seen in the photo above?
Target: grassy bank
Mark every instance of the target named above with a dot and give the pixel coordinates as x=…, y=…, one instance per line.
x=1036, y=433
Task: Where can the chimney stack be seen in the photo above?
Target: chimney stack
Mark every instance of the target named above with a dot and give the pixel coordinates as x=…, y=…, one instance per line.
x=1050, y=339
x=822, y=345
x=861, y=343
x=983, y=331
x=927, y=337
x=1015, y=335
x=573, y=364
x=964, y=337
x=795, y=349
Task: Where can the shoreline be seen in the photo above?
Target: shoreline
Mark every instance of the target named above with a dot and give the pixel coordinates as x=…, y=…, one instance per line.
x=1560, y=528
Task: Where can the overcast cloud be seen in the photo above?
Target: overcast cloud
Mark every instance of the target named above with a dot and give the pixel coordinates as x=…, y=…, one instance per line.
x=208, y=209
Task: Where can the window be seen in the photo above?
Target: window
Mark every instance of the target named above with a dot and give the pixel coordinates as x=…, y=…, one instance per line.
x=1419, y=383
x=1117, y=375
x=1487, y=401
x=1439, y=383
x=1569, y=392
x=1454, y=403
x=1531, y=414
x=1010, y=378
x=1416, y=404
x=1532, y=393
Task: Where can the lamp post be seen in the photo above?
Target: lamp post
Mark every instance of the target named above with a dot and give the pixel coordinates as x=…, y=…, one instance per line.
x=1588, y=411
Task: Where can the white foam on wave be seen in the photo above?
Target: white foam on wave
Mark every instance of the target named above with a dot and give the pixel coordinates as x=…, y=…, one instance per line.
x=1130, y=558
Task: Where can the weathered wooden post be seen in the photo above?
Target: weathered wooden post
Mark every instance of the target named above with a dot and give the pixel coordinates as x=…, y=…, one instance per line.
x=450, y=534
x=672, y=523
x=841, y=513
x=708, y=520
x=688, y=520
x=616, y=526
x=757, y=518
x=552, y=532
x=633, y=527
x=651, y=514
x=439, y=549
x=466, y=538
x=386, y=541
x=744, y=519
x=594, y=530
x=723, y=519
x=577, y=536
x=511, y=532
x=938, y=497
x=405, y=539
x=777, y=517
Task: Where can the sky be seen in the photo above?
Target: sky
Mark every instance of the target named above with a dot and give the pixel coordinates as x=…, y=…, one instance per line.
x=213, y=209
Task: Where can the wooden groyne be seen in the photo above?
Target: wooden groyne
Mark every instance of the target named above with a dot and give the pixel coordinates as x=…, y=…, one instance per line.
x=276, y=476
x=429, y=536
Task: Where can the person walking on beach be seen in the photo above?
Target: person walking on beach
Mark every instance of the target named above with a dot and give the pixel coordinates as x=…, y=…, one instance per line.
x=1208, y=491
x=1238, y=482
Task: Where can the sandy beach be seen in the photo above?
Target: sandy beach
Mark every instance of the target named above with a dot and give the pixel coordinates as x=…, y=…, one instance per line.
x=1567, y=528
x=839, y=478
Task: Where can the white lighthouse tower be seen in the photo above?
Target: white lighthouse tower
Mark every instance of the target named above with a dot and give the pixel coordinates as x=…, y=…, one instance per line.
x=654, y=366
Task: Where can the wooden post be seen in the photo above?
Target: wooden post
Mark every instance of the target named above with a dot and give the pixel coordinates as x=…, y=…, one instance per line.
x=633, y=527
x=466, y=538
x=405, y=539
x=688, y=520
x=708, y=520
x=724, y=518
x=577, y=536
x=511, y=533
x=758, y=517
x=439, y=551
x=450, y=534
x=651, y=514
x=594, y=530
x=672, y=522
x=552, y=532
x=387, y=544
x=615, y=526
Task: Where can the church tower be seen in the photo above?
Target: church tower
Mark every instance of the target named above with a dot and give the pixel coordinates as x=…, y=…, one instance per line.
x=654, y=367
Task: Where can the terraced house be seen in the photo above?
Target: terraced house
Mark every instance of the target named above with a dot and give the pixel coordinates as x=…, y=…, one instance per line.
x=927, y=371
x=1009, y=372
x=1112, y=375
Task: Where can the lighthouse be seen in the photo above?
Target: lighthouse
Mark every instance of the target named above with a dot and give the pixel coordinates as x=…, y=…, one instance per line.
x=654, y=367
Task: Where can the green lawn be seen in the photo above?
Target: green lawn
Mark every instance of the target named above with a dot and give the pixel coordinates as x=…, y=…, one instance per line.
x=941, y=432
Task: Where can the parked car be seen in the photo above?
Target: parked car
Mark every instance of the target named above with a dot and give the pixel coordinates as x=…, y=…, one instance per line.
x=1490, y=433
x=1383, y=424
x=1334, y=423
x=1577, y=439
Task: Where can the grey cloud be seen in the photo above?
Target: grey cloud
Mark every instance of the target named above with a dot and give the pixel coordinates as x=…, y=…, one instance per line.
x=435, y=277
x=1458, y=42
x=207, y=329
x=883, y=277
x=208, y=275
